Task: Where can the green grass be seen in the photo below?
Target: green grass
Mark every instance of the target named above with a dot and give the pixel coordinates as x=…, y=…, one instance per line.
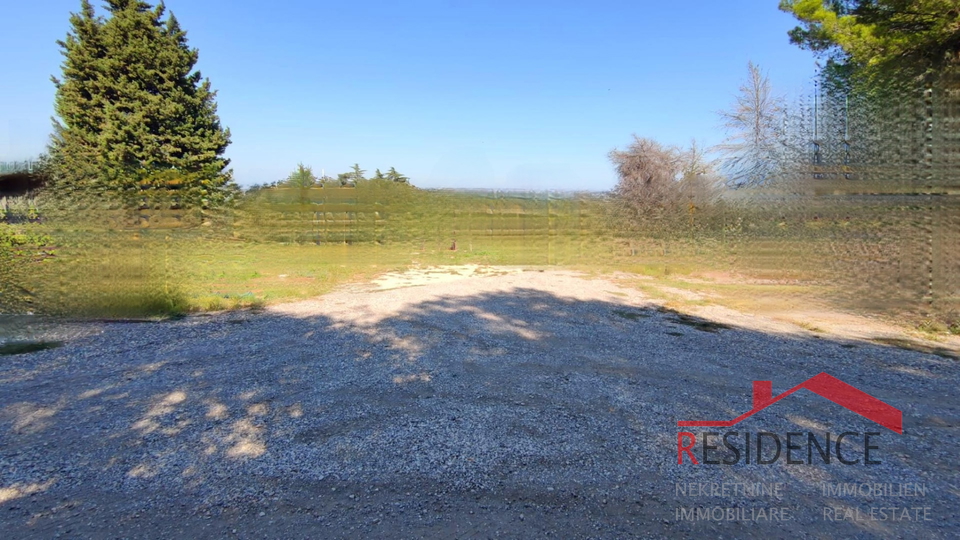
x=129, y=274
x=133, y=266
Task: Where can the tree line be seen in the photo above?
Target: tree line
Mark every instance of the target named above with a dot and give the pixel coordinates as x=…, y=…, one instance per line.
x=303, y=177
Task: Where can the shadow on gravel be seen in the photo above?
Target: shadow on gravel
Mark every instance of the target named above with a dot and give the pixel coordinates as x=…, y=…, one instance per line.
x=27, y=346
x=519, y=413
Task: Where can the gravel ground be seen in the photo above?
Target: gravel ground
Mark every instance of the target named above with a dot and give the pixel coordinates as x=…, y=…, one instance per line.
x=515, y=405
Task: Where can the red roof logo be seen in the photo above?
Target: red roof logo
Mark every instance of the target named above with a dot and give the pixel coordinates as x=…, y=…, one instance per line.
x=823, y=385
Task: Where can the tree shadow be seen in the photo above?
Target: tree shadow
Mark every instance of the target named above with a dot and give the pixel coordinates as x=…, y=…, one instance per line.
x=518, y=411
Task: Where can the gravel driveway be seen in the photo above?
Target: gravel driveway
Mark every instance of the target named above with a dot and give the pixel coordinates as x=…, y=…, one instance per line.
x=519, y=404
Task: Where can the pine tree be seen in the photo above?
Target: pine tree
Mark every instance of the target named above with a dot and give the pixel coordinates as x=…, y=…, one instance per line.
x=303, y=177
x=79, y=105
x=356, y=173
x=134, y=118
x=394, y=176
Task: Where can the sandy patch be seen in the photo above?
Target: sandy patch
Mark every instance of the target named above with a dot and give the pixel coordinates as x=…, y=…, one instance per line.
x=391, y=294
x=438, y=274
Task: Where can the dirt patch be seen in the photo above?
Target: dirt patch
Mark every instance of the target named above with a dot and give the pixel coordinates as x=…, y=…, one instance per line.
x=783, y=307
x=437, y=274
x=733, y=278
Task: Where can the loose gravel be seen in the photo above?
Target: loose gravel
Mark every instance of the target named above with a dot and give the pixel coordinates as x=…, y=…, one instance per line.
x=508, y=405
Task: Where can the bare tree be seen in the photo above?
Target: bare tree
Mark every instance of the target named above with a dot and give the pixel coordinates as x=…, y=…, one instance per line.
x=654, y=177
x=648, y=173
x=699, y=181
x=661, y=190
x=755, y=126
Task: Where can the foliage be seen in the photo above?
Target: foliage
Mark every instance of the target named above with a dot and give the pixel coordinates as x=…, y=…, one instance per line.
x=133, y=117
x=328, y=181
x=19, y=210
x=20, y=249
x=912, y=36
x=889, y=84
x=356, y=173
x=11, y=237
x=303, y=177
x=277, y=245
x=394, y=176
x=355, y=176
x=352, y=177
x=391, y=176
x=647, y=172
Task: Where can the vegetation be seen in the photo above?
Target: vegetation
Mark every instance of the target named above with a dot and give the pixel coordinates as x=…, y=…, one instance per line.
x=889, y=36
x=134, y=120
x=303, y=178
x=755, y=125
x=23, y=251
x=826, y=197
x=662, y=190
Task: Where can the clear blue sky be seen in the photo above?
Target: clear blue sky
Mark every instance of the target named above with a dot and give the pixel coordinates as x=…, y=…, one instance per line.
x=453, y=93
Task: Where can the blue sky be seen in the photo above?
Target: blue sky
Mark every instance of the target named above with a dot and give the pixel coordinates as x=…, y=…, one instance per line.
x=453, y=93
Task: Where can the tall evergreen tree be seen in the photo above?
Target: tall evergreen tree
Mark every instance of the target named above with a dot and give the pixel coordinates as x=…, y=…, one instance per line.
x=79, y=104
x=133, y=115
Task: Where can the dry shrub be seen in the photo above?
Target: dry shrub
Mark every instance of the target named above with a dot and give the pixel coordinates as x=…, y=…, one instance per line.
x=660, y=187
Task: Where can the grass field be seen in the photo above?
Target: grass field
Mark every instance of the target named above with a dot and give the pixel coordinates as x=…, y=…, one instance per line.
x=889, y=258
